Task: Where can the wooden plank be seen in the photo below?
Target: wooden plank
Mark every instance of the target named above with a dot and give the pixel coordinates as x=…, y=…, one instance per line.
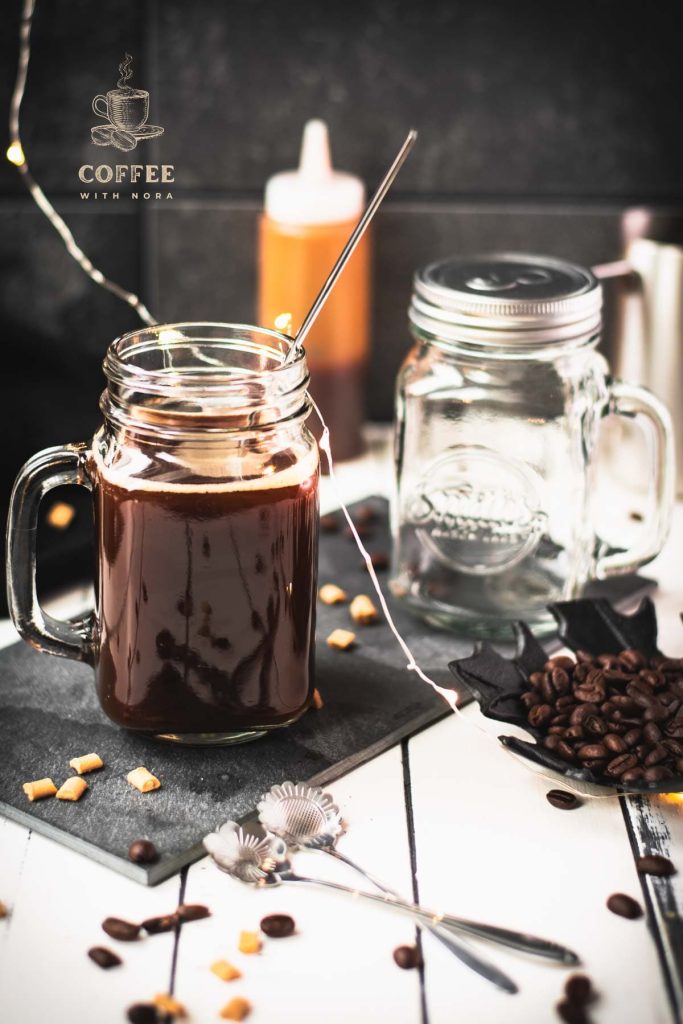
x=655, y=825
x=338, y=967
x=489, y=846
x=57, y=903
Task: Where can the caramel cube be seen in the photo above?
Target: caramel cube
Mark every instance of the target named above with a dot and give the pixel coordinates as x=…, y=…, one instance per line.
x=39, y=789
x=236, y=1009
x=143, y=780
x=225, y=971
x=332, y=594
x=250, y=942
x=363, y=610
x=87, y=763
x=341, y=639
x=73, y=789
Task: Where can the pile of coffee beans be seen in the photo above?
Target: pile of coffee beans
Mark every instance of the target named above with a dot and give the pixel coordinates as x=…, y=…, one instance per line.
x=619, y=715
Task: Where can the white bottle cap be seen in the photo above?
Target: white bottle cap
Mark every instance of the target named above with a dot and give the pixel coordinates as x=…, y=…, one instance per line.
x=315, y=193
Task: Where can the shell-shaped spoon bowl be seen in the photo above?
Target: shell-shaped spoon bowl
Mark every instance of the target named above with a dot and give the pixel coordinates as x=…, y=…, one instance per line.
x=301, y=815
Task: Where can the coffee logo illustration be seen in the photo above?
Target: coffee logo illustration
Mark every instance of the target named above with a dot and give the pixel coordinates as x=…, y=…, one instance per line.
x=477, y=512
x=125, y=111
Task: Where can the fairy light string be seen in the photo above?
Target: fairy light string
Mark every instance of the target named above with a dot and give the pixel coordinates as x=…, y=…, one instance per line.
x=17, y=156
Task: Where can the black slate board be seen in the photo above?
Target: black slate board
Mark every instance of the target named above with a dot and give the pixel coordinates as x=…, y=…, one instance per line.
x=49, y=714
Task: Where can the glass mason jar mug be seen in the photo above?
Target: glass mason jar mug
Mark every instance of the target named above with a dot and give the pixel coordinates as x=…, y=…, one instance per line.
x=205, y=489
x=498, y=414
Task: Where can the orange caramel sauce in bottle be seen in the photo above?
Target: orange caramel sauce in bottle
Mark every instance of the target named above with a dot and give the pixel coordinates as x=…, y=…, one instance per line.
x=309, y=215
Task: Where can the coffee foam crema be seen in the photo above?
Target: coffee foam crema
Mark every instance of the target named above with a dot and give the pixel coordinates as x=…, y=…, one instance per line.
x=236, y=472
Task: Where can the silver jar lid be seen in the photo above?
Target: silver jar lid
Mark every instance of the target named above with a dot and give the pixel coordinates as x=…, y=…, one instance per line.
x=506, y=298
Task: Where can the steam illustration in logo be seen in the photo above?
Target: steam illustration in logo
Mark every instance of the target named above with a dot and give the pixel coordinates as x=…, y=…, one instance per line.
x=126, y=111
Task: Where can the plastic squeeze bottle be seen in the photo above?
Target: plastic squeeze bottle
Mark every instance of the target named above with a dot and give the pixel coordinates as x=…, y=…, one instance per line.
x=309, y=215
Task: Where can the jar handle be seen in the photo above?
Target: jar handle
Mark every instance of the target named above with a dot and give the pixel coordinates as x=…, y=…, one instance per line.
x=51, y=468
x=635, y=402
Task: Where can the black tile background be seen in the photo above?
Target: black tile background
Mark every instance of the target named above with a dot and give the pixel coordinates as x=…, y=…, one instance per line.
x=539, y=124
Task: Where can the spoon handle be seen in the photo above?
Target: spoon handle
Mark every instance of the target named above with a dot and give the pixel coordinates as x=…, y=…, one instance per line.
x=505, y=936
x=471, y=960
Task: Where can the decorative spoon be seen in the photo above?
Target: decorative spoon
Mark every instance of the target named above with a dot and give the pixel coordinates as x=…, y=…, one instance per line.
x=263, y=862
x=304, y=816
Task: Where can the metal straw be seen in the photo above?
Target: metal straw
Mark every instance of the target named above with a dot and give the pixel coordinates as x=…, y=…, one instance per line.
x=353, y=241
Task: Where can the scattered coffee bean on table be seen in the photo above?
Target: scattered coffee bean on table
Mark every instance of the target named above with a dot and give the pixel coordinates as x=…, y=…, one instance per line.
x=124, y=931
x=104, y=957
x=192, y=911
x=156, y=925
x=625, y=906
x=142, y=851
x=277, y=926
x=142, y=1013
x=407, y=957
x=572, y=1013
x=329, y=524
x=654, y=864
x=379, y=561
x=562, y=799
x=578, y=988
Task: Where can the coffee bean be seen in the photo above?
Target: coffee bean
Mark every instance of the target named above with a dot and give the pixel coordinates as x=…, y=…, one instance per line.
x=592, y=751
x=572, y=1013
x=329, y=524
x=652, y=733
x=655, y=864
x=550, y=742
x=277, y=926
x=589, y=693
x=625, y=906
x=557, y=730
x=560, y=680
x=564, y=751
x=143, y=852
x=675, y=728
x=580, y=714
x=652, y=678
x=614, y=743
x=104, y=957
x=656, y=773
x=656, y=755
x=583, y=656
x=595, y=725
x=124, y=931
x=407, y=957
x=536, y=678
x=156, y=925
x=574, y=732
x=632, y=775
x=559, y=720
x=565, y=702
x=562, y=799
x=142, y=1013
x=560, y=661
x=631, y=659
x=657, y=713
x=674, y=747
x=578, y=988
x=192, y=911
x=595, y=764
x=547, y=689
x=632, y=737
x=540, y=715
x=621, y=764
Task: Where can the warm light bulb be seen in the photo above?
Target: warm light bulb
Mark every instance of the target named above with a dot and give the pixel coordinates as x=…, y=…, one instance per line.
x=15, y=154
x=283, y=322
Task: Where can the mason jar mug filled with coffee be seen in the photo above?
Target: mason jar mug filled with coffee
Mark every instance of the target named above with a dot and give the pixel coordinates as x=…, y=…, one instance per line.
x=205, y=488
x=498, y=421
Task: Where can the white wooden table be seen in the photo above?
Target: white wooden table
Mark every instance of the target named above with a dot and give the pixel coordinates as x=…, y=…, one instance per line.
x=448, y=816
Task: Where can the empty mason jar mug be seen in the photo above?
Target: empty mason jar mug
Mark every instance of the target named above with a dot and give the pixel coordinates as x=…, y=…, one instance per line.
x=205, y=488
x=498, y=417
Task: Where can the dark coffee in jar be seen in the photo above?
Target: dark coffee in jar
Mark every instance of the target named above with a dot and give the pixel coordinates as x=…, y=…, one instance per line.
x=206, y=599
